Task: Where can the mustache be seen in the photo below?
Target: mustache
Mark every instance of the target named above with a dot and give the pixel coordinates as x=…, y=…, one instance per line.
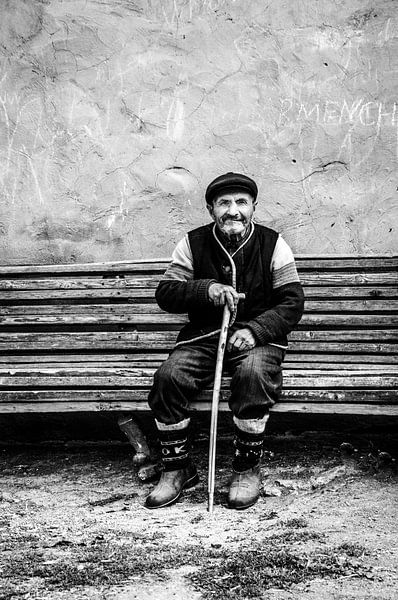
x=231, y=218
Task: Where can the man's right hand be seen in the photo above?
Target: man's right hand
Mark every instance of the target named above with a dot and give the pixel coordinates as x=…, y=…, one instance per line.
x=221, y=294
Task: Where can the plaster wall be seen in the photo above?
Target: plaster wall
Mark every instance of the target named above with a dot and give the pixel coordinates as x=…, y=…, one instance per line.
x=116, y=114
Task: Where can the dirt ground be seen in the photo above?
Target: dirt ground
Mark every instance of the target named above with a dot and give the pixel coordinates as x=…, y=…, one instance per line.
x=73, y=525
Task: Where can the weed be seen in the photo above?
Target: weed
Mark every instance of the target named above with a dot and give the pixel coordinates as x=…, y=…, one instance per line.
x=288, y=537
x=99, y=564
x=246, y=574
x=296, y=523
x=9, y=591
x=352, y=549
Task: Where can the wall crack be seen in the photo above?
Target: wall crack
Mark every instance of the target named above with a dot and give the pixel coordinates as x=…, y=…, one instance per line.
x=321, y=169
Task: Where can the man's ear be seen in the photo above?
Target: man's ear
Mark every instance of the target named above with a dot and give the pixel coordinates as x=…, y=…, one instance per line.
x=210, y=208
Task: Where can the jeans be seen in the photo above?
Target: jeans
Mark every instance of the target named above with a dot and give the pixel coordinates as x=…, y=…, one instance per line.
x=255, y=386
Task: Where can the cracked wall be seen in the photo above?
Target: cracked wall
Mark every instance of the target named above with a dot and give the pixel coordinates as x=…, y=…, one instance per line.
x=115, y=114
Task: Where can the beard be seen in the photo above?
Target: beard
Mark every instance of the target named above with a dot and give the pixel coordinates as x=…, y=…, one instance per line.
x=233, y=228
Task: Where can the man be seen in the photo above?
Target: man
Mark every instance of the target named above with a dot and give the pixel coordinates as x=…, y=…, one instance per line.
x=209, y=268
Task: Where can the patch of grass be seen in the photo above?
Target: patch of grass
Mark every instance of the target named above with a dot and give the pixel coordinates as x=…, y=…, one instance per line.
x=102, y=563
x=288, y=537
x=240, y=574
x=10, y=591
x=352, y=549
x=248, y=573
x=296, y=523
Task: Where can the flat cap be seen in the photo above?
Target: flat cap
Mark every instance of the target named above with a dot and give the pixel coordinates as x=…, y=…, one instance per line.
x=230, y=181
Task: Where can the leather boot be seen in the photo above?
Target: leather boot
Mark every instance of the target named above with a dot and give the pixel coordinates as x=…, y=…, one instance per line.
x=170, y=486
x=244, y=489
x=246, y=480
x=179, y=472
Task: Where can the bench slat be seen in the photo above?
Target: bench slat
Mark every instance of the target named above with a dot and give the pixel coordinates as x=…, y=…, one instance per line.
x=133, y=339
x=141, y=394
x=115, y=288
x=293, y=401
x=149, y=321
x=58, y=295
x=147, y=294
x=156, y=264
x=147, y=368
x=354, y=262
x=351, y=306
x=282, y=407
x=351, y=292
x=162, y=344
x=82, y=284
x=342, y=279
x=103, y=360
x=141, y=380
x=312, y=306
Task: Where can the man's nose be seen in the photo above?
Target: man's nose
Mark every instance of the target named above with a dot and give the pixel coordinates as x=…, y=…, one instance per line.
x=233, y=209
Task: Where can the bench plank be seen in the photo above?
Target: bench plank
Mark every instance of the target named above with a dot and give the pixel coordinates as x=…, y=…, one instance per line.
x=333, y=304
x=114, y=316
x=300, y=408
x=115, y=395
x=315, y=380
x=334, y=361
x=103, y=293
x=160, y=342
x=105, y=368
x=340, y=280
x=83, y=284
x=137, y=339
x=379, y=262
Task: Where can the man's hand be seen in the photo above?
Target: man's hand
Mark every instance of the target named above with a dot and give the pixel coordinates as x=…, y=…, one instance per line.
x=240, y=340
x=221, y=294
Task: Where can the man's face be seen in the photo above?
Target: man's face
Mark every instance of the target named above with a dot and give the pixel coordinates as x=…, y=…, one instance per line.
x=232, y=211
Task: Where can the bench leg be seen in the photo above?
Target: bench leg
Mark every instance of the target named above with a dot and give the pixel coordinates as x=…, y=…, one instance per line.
x=147, y=468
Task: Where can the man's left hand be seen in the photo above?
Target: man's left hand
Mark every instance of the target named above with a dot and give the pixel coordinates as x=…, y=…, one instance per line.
x=241, y=340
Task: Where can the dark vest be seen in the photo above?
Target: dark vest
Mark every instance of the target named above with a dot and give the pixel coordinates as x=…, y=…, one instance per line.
x=253, y=276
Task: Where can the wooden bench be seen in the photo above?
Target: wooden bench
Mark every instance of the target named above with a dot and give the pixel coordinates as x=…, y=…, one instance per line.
x=88, y=337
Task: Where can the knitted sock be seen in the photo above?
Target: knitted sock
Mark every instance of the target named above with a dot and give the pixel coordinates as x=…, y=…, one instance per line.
x=175, y=449
x=248, y=450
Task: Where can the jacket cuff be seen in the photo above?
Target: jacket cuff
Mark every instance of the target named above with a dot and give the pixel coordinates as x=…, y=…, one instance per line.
x=202, y=291
x=259, y=332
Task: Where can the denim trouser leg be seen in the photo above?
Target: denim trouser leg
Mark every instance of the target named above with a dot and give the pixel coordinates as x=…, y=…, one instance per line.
x=255, y=386
x=187, y=370
x=256, y=380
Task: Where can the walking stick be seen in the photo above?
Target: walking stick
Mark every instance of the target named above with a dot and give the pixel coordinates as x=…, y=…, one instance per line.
x=214, y=403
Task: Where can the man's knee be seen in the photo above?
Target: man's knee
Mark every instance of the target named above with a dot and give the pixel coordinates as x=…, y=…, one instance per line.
x=251, y=368
x=167, y=373
x=260, y=364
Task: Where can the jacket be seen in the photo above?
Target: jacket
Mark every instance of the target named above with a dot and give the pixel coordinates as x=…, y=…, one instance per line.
x=262, y=268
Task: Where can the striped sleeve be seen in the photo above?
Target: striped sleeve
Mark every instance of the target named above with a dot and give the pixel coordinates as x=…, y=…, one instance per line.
x=178, y=291
x=283, y=267
x=181, y=266
x=275, y=324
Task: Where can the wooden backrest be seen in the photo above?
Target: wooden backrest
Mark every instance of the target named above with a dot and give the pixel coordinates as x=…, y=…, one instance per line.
x=109, y=308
